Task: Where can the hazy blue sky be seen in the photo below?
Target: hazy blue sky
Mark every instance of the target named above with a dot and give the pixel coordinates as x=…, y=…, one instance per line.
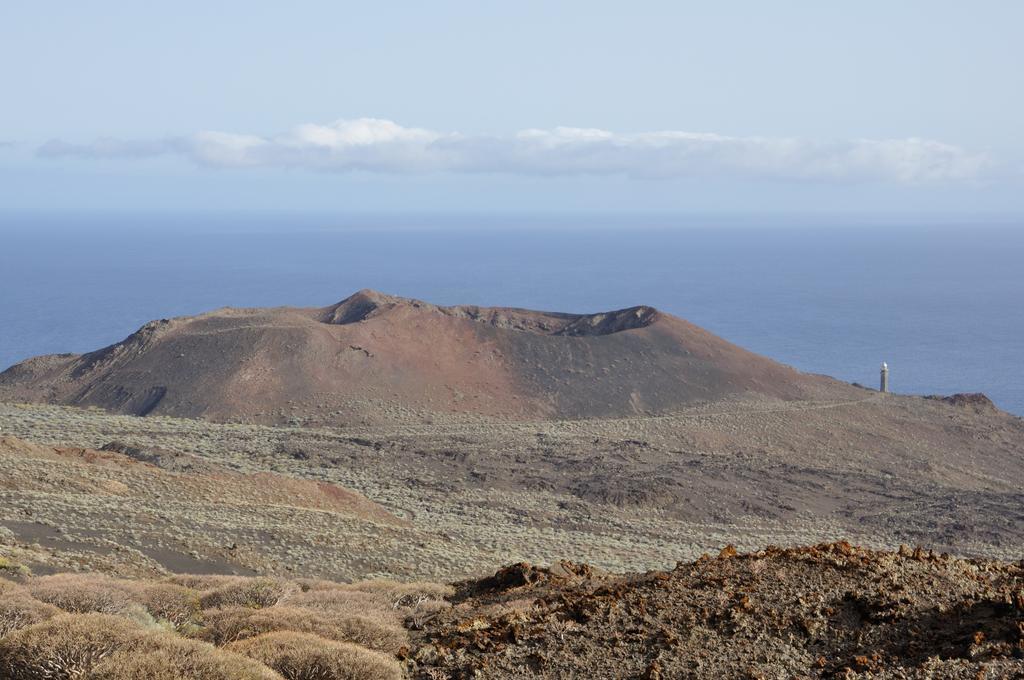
x=903, y=107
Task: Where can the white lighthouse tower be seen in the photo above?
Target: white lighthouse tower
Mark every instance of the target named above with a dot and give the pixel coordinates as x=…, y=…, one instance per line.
x=884, y=383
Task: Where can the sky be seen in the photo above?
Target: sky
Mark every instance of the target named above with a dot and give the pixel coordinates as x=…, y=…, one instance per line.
x=901, y=108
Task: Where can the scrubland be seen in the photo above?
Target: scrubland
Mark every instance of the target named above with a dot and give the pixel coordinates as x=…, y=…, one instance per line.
x=98, y=627
x=454, y=497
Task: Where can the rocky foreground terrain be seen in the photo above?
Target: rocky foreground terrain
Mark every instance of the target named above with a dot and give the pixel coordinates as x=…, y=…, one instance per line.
x=831, y=610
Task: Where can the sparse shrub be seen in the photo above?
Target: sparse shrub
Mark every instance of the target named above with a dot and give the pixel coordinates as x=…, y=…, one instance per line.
x=307, y=584
x=302, y=656
x=412, y=602
x=254, y=593
x=7, y=536
x=400, y=593
x=11, y=567
x=166, y=657
x=387, y=589
x=85, y=593
x=340, y=601
x=167, y=602
x=18, y=609
x=66, y=646
x=238, y=623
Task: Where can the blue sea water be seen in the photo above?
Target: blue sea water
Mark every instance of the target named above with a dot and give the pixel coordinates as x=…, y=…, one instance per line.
x=942, y=304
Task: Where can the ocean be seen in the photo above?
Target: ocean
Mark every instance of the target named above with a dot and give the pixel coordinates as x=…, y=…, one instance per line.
x=943, y=305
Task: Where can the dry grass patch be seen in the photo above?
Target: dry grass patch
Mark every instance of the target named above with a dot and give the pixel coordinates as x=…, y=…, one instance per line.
x=254, y=593
x=74, y=626
x=222, y=626
x=176, y=605
x=412, y=603
x=341, y=601
x=66, y=646
x=18, y=610
x=86, y=593
x=302, y=656
x=400, y=592
x=165, y=657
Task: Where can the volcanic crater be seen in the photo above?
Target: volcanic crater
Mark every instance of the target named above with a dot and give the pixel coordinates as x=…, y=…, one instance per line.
x=377, y=356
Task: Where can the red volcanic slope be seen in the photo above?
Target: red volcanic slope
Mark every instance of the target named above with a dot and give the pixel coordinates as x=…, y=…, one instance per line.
x=335, y=363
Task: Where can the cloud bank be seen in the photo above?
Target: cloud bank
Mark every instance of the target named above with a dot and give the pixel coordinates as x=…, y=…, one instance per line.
x=383, y=146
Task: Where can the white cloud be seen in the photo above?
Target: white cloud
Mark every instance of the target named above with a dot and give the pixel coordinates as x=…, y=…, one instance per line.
x=225, y=148
x=108, y=147
x=360, y=132
x=375, y=145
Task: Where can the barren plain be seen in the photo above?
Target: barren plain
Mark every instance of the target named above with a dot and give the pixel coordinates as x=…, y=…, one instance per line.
x=459, y=495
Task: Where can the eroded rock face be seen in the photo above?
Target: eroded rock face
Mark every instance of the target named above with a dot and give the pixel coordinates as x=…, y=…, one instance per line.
x=831, y=610
x=373, y=354
x=975, y=401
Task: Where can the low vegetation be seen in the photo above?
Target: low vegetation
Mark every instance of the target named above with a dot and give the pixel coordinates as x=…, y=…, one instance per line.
x=454, y=497
x=301, y=656
x=239, y=623
x=96, y=627
x=171, y=658
x=19, y=610
x=87, y=594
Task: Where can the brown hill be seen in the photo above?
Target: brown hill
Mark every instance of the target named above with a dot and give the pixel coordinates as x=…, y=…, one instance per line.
x=332, y=364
